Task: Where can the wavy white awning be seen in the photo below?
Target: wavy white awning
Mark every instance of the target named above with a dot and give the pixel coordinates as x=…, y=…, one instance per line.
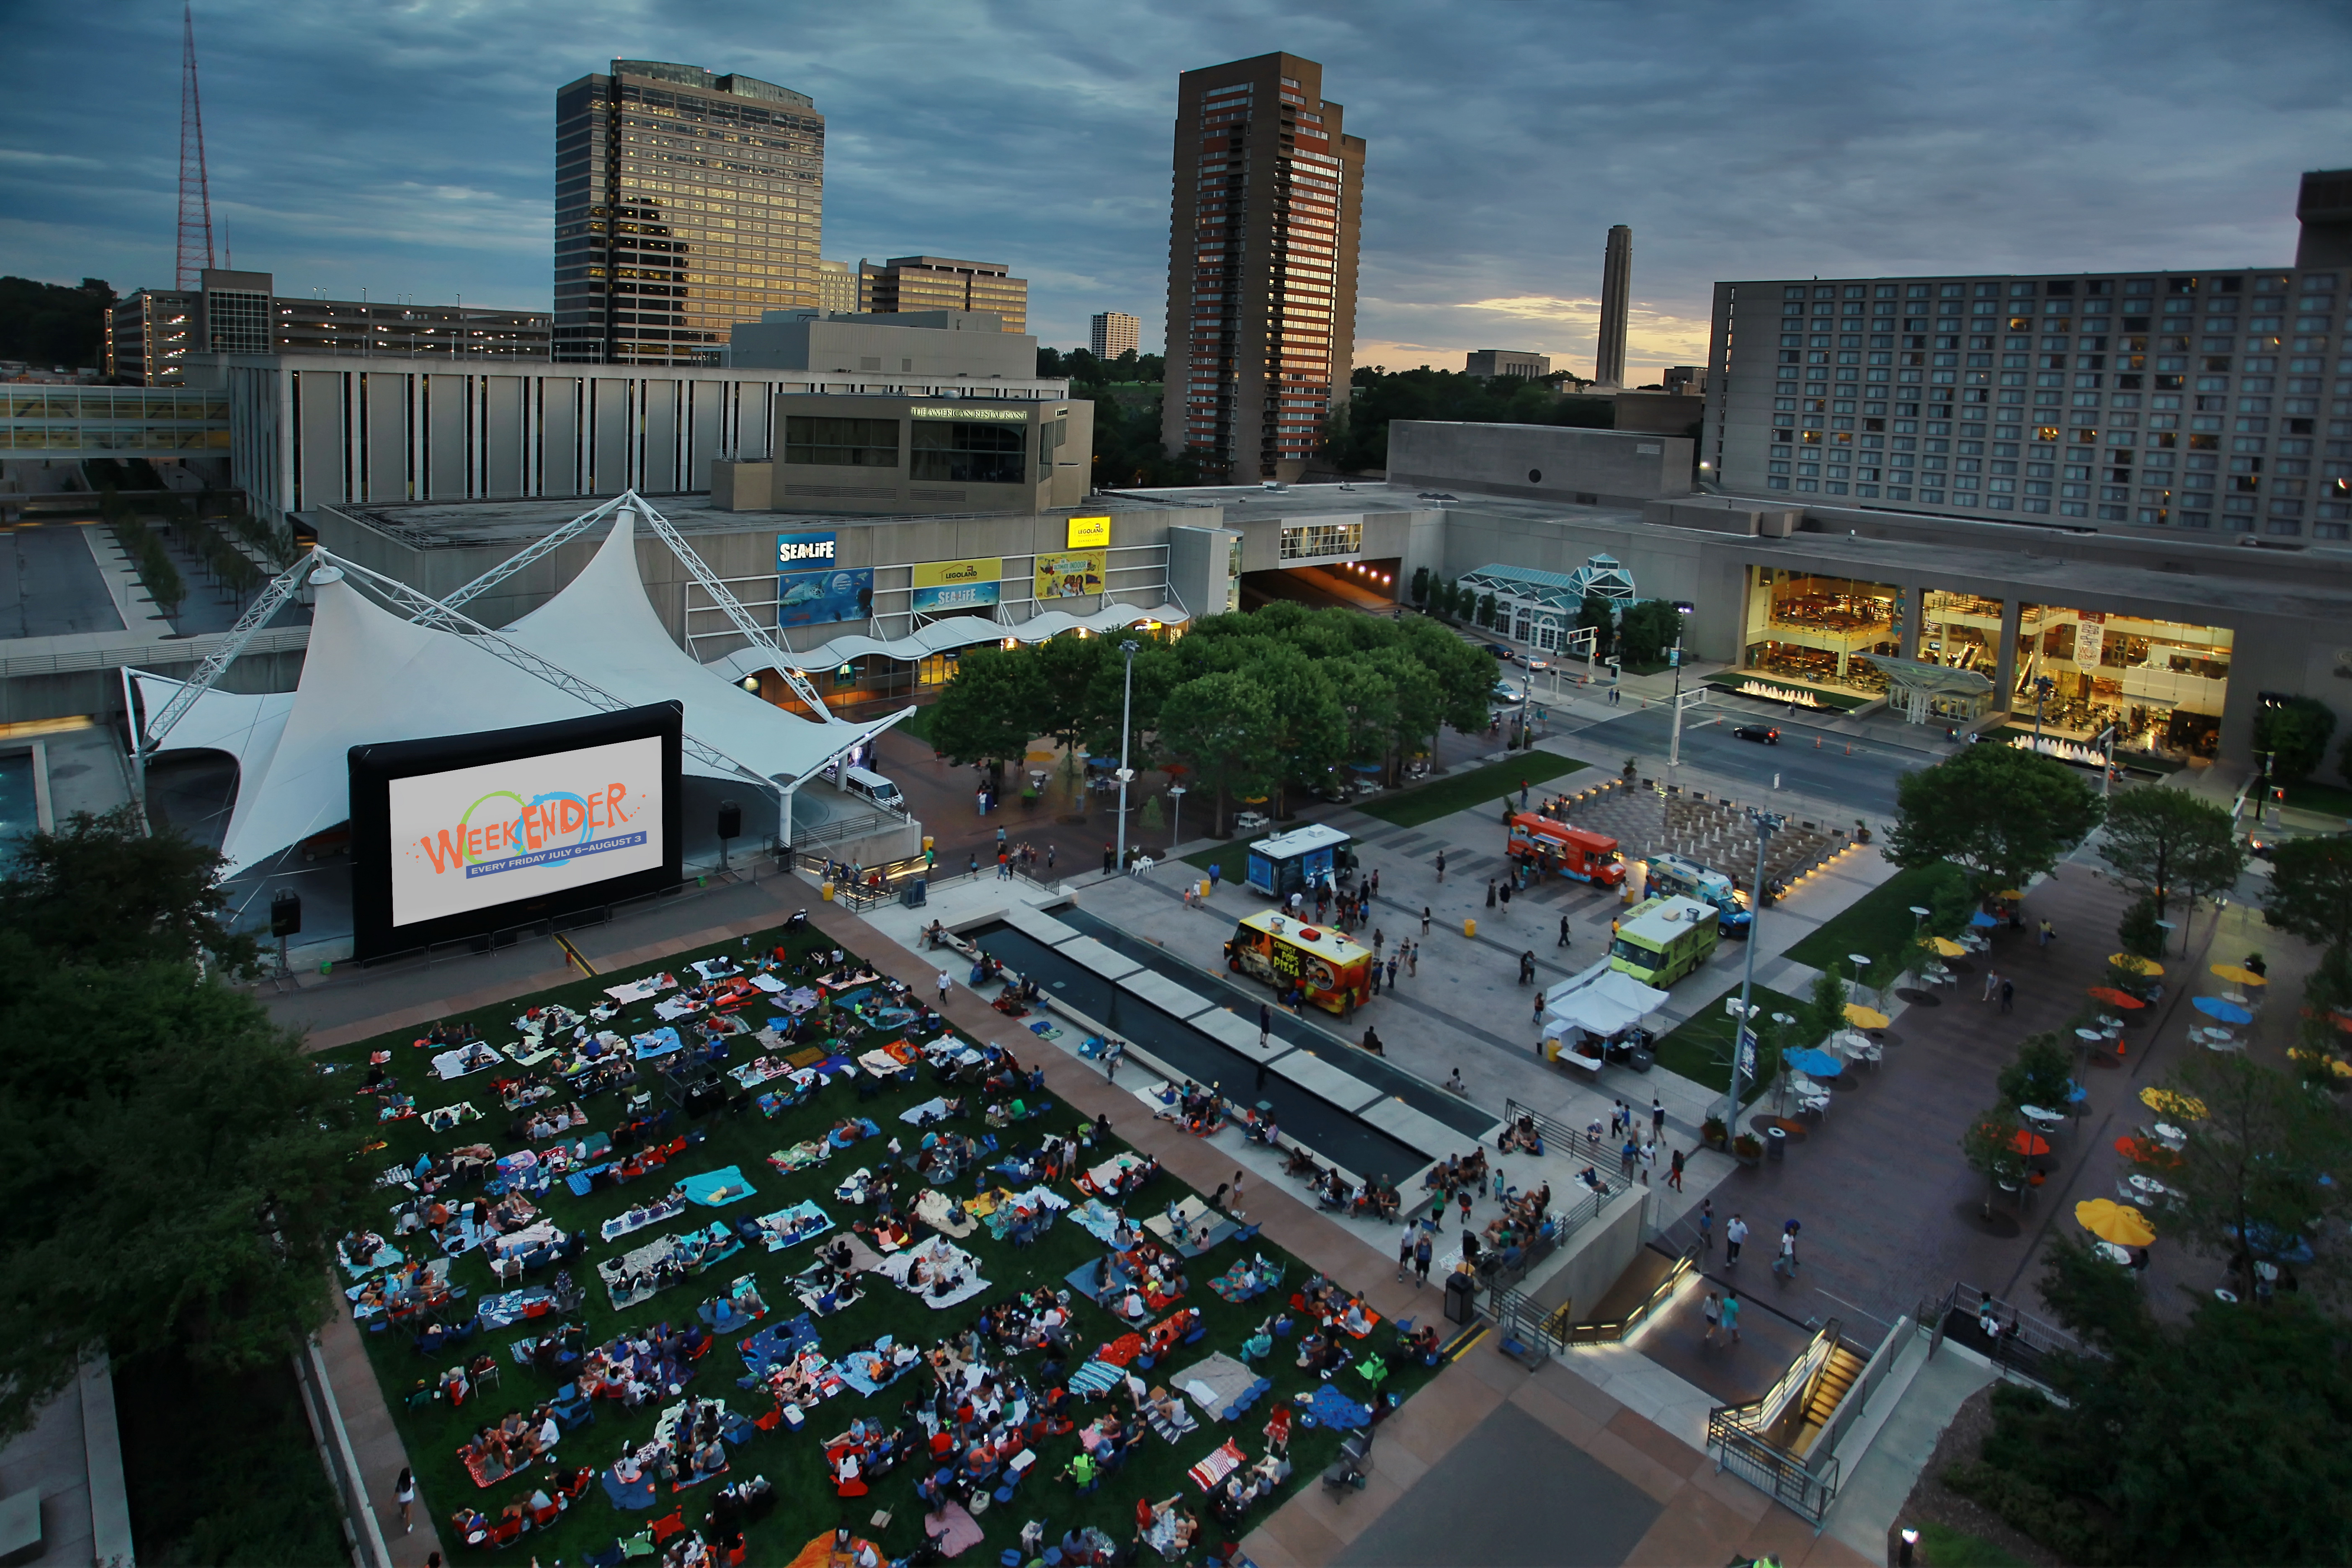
x=939, y=636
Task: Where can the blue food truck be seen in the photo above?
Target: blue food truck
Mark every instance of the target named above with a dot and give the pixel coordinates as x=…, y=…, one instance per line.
x=1300, y=862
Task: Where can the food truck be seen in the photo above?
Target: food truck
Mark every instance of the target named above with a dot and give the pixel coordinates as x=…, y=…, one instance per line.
x=1555, y=847
x=1331, y=972
x=1663, y=939
x=1300, y=861
x=1673, y=874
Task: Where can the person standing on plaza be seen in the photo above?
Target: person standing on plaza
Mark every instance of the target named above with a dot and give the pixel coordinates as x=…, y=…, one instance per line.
x=944, y=982
x=1110, y=859
x=1392, y=963
x=1563, y=933
x=1731, y=1314
x=1675, y=1172
x=1424, y=919
x=1506, y=898
x=403, y=1492
x=1233, y=1199
x=1707, y=1225
x=1786, y=1264
x=1380, y=943
x=1051, y=850
x=1264, y=1024
x=1413, y=954
x=1422, y=1253
x=1523, y=794
x=1713, y=1313
x=1406, y=1244
x=1735, y=1233
x=1440, y=868
x=1375, y=887
x=1490, y=892
x=1657, y=1121
x=1991, y=984
x=2008, y=992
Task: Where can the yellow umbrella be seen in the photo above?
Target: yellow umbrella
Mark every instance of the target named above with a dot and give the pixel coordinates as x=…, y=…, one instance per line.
x=2335, y=1065
x=2136, y=964
x=2111, y=1221
x=1862, y=1018
x=2239, y=976
x=2185, y=1106
x=2010, y=893
x=1947, y=948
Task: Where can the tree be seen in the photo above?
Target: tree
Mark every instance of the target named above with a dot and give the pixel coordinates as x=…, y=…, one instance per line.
x=1368, y=706
x=2255, y=1176
x=52, y=324
x=1067, y=697
x=1991, y=1148
x=2293, y=734
x=2003, y=814
x=1310, y=732
x=1223, y=723
x=2166, y=843
x=1419, y=592
x=988, y=714
x=1486, y=610
x=1647, y=630
x=1823, y=1014
x=100, y=890
x=2311, y=890
x=2138, y=932
x=1357, y=438
x=2040, y=1074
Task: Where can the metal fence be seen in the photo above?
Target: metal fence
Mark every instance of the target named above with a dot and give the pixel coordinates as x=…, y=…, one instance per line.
x=363, y=1532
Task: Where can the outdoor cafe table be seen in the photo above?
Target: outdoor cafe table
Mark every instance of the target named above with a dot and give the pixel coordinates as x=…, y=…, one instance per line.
x=2040, y=1117
x=2171, y=1137
x=2119, y=1255
x=2149, y=1186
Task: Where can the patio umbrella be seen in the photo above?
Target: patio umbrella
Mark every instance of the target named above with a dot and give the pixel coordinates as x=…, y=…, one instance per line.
x=1982, y=920
x=2188, y=1107
x=2114, y=998
x=2225, y=1012
x=1814, y=1062
x=1863, y=1018
x=1947, y=948
x=2111, y=1221
x=2029, y=1143
x=2010, y=893
x=2145, y=1152
x=2134, y=963
x=2237, y=975
x=2335, y=1065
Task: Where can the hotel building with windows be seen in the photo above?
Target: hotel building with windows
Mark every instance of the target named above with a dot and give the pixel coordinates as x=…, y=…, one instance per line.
x=1263, y=238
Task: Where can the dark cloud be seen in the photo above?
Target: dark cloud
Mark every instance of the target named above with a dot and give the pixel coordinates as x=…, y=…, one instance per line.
x=407, y=148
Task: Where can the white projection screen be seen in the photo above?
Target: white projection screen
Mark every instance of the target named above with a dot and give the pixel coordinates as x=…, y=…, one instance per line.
x=473, y=838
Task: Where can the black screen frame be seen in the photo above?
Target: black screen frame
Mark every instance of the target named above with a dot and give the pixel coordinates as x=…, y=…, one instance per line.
x=374, y=767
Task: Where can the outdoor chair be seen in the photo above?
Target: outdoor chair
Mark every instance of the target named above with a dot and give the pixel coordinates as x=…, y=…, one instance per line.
x=663, y=1529
x=504, y=1535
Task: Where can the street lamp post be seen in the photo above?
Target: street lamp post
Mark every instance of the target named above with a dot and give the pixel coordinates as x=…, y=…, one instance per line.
x=1176, y=822
x=1125, y=713
x=1766, y=824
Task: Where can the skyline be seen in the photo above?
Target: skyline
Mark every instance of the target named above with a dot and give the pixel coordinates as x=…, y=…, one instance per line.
x=347, y=150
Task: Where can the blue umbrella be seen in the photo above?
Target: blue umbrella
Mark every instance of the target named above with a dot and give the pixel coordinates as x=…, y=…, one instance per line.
x=1982, y=920
x=1814, y=1063
x=2227, y=1011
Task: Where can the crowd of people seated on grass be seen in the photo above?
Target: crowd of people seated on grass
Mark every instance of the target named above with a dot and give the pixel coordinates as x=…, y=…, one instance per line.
x=1200, y=1111
x=515, y=1439
x=633, y=1369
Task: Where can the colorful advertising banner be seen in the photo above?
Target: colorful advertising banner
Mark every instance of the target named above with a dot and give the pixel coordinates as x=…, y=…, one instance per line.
x=951, y=598
x=820, y=598
x=470, y=837
x=803, y=551
x=1072, y=575
x=1088, y=532
x=957, y=573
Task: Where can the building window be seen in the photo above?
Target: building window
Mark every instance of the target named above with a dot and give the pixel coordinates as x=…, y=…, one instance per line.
x=1320, y=539
x=850, y=443
x=967, y=452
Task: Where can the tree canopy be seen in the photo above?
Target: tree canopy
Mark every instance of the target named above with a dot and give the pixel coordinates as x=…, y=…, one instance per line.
x=2293, y=734
x=2311, y=890
x=1357, y=437
x=2004, y=813
x=101, y=892
x=53, y=323
x=2168, y=844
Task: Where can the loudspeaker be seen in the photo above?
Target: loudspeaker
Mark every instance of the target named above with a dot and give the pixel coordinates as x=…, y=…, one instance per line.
x=730, y=819
x=285, y=912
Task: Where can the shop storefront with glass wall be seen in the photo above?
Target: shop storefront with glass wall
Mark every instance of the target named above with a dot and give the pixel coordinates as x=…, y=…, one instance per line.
x=1960, y=631
x=1823, y=631
x=2162, y=683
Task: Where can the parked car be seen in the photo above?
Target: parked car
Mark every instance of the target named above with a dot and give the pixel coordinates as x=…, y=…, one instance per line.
x=1501, y=650
x=1763, y=734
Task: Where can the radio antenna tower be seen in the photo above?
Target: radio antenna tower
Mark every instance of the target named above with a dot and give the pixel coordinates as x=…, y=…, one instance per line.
x=195, y=194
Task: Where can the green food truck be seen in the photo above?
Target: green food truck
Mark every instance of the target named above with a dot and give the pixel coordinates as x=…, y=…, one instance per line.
x=1661, y=940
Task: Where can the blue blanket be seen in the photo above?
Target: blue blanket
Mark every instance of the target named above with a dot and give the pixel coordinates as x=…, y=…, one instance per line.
x=798, y=1223
x=856, y=1368
x=661, y=1042
x=707, y=1189
x=1335, y=1410
x=504, y=1311
x=1096, y=1220
x=639, y=1495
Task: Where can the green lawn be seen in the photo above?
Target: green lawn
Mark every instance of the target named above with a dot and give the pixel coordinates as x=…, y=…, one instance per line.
x=1479, y=786
x=1949, y=1548
x=2310, y=796
x=739, y=1135
x=1879, y=924
x=1231, y=858
x=1700, y=1049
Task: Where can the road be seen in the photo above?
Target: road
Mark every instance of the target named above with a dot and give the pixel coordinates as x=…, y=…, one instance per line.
x=1864, y=780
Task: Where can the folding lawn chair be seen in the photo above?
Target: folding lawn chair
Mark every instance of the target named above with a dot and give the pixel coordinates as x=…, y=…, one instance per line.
x=663, y=1529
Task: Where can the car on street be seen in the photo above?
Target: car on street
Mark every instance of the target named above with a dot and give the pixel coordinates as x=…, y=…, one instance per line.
x=1501, y=650
x=1505, y=691
x=1763, y=734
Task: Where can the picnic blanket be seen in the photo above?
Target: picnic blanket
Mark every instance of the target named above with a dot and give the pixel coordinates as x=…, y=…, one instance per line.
x=449, y=1116
x=895, y=1058
x=774, y=1346
x=1101, y=1181
x=866, y=1128
x=800, y=1156
x=622, y=1223
x=1120, y=1350
x=947, y=1051
x=503, y=1311
x=787, y=1227
x=932, y=1109
x=1221, y=1386
x=1038, y=1204
x=387, y=1257
x=1246, y=1280
x=951, y=1274
x=629, y=1495
x=952, y=1531
x=717, y=1189
x=472, y=1057
x=718, y=968
x=688, y=1253
x=515, y=1243
x=644, y=990
x=742, y=1304
x=658, y=1044
x=669, y=1010
x=1174, y=1426
x=1228, y=1458
x=1329, y=1408
x=1097, y=1219
x=1095, y=1377
x=937, y=1210
x=1191, y=1214
x=873, y=1369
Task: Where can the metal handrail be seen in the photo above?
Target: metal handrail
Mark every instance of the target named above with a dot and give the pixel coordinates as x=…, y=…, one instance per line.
x=1803, y=1491
x=1574, y=1138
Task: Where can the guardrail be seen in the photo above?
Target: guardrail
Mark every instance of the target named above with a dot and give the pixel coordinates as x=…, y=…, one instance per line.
x=1577, y=1140
x=141, y=654
x=363, y=1532
x=1613, y=1330
x=2022, y=1347
x=1736, y=1436
x=1857, y=1397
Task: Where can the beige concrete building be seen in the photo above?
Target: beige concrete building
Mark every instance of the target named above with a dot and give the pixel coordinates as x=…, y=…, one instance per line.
x=880, y=454
x=836, y=287
x=152, y=333
x=1521, y=363
x=930, y=345
x=1261, y=266
x=1112, y=333
x=906, y=284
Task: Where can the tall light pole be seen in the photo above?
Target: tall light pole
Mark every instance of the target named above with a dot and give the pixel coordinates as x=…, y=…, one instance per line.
x=1125, y=713
x=1674, y=748
x=1766, y=824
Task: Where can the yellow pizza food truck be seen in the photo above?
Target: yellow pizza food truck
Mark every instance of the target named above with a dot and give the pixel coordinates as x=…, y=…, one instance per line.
x=1330, y=972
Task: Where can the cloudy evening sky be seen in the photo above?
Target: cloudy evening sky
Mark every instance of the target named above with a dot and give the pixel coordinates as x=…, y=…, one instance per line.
x=408, y=148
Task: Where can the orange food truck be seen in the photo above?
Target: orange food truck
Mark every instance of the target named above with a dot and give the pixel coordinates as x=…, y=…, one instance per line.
x=1578, y=852
x=1331, y=972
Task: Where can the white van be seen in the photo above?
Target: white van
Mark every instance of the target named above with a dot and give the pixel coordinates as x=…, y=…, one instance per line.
x=867, y=785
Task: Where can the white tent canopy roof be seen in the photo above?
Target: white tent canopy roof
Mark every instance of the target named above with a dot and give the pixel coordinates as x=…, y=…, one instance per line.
x=371, y=675
x=1601, y=1001
x=938, y=637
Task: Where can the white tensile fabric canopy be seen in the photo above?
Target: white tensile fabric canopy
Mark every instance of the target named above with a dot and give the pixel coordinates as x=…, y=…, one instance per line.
x=939, y=636
x=372, y=676
x=1601, y=1001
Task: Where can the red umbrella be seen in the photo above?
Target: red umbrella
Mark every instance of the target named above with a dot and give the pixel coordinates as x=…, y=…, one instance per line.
x=2029, y=1143
x=2114, y=998
x=2145, y=1152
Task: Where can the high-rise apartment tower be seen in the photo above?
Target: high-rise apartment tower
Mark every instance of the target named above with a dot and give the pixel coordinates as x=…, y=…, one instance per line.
x=1261, y=266
x=905, y=284
x=1113, y=333
x=684, y=201
x=836, y=287
x=1616, y=293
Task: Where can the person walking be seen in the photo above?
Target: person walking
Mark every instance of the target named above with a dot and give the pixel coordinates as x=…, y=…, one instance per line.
x=1424, y=919
x=1051, y=850
x=1523, y=794
x=1713, y=1313
x=1657, y=1119
x=1731, y=1314
x=1264, y=1024
x=1734, y=1234
x=1490, y=892
x=1233, y=1199
x=2008, y=992
x=944, y=982
x=1625, y=1157
x=1413, y=954
x=1462, y=1197
x=1563, y=933
x=1413, y=1237
x=1422, y=1255
x=1111, y=1065
x=2047, y=934
x=1380, y=943
x=1785, y=1264
x=1675, y=1172
x=1392, y=963
x=1506, y=898
x=1110, y=859
x=1375, y=891
x=1991, y=984
x=1438, y=1212
x=403, y=1492
x=1440, y=868
x=1707, y=1225
x=1375, y=986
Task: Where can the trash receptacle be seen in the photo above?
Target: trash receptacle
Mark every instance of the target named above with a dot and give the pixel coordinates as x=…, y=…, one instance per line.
x=824, y=891
x=1776, y=1139
x=1461, y=1292
x=1469, y=926
x=916, y=894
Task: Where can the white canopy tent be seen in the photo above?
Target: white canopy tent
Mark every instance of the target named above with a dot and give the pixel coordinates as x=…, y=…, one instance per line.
x=941, y=634
x=1601, y=1001
x=371, y=675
